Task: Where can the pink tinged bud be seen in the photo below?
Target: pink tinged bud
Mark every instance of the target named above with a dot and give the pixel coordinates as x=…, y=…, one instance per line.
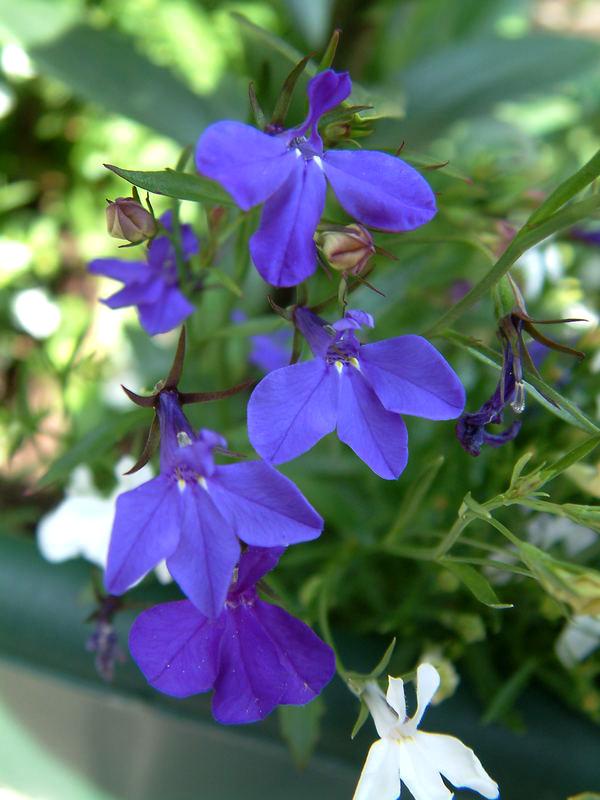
x=127, y=219
x=347, y=249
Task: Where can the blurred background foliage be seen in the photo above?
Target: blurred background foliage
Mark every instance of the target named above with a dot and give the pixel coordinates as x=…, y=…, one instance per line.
x=504, y=91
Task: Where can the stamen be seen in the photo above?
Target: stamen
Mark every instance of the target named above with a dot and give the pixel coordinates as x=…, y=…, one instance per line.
x=339, y=366
x=354, y=362
x=202, y=483
x=181, y=484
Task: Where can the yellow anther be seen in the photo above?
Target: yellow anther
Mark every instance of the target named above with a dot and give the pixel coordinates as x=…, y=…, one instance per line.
x=181, y=484
x=202, y=482
x=354, y=362
x=339, y=366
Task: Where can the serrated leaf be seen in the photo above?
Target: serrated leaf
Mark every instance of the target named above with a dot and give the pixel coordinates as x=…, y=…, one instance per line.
x=179, y=185
x=300, y=727
x=476, y=583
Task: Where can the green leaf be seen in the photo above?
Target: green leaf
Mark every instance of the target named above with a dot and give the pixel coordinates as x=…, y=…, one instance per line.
x=105, y=67
x=383, y=662
x=179, y=185
x=476, y=583
x=300, y=727
x=567, y=189
x=474, y=507
x=584, y=515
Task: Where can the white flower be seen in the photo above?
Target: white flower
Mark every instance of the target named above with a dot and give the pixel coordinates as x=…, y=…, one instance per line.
x=81, y=524
x=578, y=639
x=405, y=754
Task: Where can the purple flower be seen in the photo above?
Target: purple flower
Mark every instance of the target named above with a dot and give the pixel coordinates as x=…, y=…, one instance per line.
x=471, y=428
x=360, y=389
x=194, y=512
x=152, y=286
x=288, y=172
x=254, y=655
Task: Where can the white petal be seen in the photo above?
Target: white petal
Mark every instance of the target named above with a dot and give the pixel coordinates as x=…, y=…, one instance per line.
x=395, y=696
x=379, y=779
x=418, y=773
x=457, y=762
x=385, y=719
x=79, y=526
x=162, y=572
x=428, y=682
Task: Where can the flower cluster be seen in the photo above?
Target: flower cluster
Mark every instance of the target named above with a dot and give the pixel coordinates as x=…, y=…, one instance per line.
x=221, y=528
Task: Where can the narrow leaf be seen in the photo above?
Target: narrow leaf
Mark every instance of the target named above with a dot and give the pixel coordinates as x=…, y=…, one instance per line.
x=179, y=185
x=476, y=583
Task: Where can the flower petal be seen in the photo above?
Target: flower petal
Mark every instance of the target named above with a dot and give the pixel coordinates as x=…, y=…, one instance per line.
x=308, y=663
x=145, y=530
x=147, y=291
x=177, y=648
x=166, y=313
x=291, y=409
x=420, y=775
x=377, y=436
x=457, y=762
x=410, y=376
x=126, y=271
x=251, y=680
x=250, y=164
x=395, y=696
x=379, y=190
x=263, y=507
x=254, y=563
x=283, y=248
x=207, y=553
x=379, y=779
x=428, y=682
x=325, y=91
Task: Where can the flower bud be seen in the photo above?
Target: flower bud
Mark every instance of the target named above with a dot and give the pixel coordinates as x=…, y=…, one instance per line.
x=127, y=219
x=347, y=249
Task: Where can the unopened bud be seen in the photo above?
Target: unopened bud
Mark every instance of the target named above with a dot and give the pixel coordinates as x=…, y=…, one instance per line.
x=347, y=249
x=127, y=219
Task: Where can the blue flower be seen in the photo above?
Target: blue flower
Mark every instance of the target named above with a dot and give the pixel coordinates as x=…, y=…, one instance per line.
x=152, y=285
x=288, y=171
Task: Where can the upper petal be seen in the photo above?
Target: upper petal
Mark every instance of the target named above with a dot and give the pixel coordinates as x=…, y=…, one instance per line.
x=307, y=662
x=283, y=249
x=379, y=190
x=126, y=271
x=250, y=164
x=263, y=507
x=254, y=563
x=291, y=409
x=420, y=775
x=457, y=762
x=379, y=779
x=428, y=682
x=325, y=91
x=395, y=696
x=145, y=530
x=411, y=377
x=166, y=313
x=177, y=648
x=377, y=436
x=207, y=552
x=251, y=680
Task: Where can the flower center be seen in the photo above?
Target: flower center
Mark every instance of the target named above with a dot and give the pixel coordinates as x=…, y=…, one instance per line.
x=303, y=148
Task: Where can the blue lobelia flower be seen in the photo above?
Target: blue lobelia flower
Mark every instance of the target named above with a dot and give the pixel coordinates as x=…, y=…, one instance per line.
x=254, y=655
x=194, y=513
x=288, y=172
x=360, y=389
x=152, y=286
